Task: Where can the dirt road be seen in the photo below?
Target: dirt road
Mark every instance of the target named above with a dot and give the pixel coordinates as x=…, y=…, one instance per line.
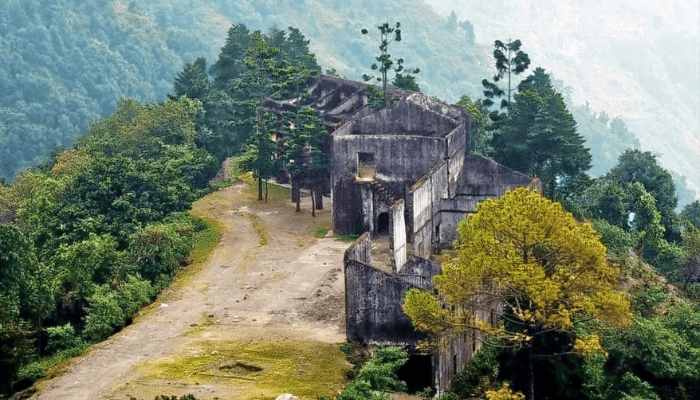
x=262, y=317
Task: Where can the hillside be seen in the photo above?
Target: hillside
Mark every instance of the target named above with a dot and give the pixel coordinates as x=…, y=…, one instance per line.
x=631, y=58
x=68, y=64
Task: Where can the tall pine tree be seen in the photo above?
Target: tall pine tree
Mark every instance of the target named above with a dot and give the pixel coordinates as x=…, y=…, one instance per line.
x=539, y=136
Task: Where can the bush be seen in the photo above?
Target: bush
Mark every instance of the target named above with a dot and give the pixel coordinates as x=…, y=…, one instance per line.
x=159, y=249
x=617, y=240
x=104, y=314
x=62, y=338
x=110, y=309
x=378, y=377
x=478, y=375
x=134, y=294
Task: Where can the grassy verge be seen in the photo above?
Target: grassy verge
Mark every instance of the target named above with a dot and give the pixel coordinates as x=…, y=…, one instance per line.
x=205, y=241
x=258, y=369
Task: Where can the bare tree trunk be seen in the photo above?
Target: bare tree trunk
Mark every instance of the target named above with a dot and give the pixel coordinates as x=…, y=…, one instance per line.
x=260, y=191
x=296, y=194
x=531, y=374
x=313, y=203
x=319, y=200
x=266, y=190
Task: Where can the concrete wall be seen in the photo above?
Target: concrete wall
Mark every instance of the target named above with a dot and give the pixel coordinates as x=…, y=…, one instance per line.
x=398, y=235
x=360, y=250
x=451, y=356
x=397, y=157
x=405, y=117
x=373, y=306
x=485, y=177
x=425, y=198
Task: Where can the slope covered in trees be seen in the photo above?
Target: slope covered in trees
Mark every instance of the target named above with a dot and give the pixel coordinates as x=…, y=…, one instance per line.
x=67, y=64
x=627, y=57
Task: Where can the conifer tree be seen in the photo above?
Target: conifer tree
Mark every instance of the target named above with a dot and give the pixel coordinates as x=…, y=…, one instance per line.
x=385, y=61
x=510, y=60
x=231, y=64
x=193, y=81
x=538, y=136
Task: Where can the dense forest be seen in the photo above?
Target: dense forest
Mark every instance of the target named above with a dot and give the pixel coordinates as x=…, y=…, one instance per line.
x=95, y=231
x=134, y=49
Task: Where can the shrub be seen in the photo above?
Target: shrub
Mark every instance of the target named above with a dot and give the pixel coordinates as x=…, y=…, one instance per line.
x=104, y=314
x=617, y=240
x=378, y=377
x=134, y=294
x=61, y=338
x=479, y=374
x=159, y=249
x=110, y=309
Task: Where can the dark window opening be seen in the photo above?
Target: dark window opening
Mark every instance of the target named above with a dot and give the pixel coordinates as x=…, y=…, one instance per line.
x=437, y=233
x=382, y=227
x=454, y=363
x=366, y=166
x=493, y=317
x=473, y=342
x=417, y=373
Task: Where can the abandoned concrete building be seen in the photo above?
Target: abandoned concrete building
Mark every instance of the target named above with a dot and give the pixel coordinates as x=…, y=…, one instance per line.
x=401, y=177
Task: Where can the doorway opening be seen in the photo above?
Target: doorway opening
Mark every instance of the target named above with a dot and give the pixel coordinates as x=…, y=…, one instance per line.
x=417, y=373
x=382, y=227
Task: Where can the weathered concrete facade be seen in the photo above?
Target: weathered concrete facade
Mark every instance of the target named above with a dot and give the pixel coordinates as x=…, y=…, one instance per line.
x=407, y=164
x=402, y=177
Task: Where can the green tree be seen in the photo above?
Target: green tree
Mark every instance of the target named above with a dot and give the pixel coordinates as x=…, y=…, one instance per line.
x=638, y=166
x=385, y=61
x=538, y=136
x=193, y=81
x=230, y=64
x=25, y=301
x=510, y=61
x=548, y=272
x=691, y=213
x=480, y=133
x=406, y=82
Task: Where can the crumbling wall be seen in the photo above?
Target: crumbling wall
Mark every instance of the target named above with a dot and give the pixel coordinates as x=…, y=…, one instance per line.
x=417, y=266
x=398, y=235
x=425, y=198
x=456, y=151
x=451, y=356
x=360, y=250
x=373, y=306
x=485, y=177
x=405, y=117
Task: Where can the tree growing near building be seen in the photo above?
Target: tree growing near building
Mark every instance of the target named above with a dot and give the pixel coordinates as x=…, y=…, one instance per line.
x=510, y=61
x=306, y=155
x=386, y=63
x=538, y=136
x=547, y=272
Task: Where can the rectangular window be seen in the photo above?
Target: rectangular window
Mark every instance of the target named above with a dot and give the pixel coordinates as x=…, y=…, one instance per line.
x=366, y=166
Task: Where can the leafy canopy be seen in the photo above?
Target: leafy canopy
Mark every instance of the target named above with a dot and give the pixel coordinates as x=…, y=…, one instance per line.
x=526, y=254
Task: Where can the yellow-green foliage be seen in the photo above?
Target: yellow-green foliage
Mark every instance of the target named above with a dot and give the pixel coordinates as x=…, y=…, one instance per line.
x=504, y=393
x=260, y=370
x=528, y=254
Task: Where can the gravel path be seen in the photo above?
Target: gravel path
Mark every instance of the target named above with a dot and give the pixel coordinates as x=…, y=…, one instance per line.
x=269, y=278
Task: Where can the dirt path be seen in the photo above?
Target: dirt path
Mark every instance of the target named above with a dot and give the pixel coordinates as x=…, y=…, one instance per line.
x=262, y=317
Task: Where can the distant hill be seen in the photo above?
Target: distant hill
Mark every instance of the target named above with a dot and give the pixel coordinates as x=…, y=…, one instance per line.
x=67, y=64
x=639, y=59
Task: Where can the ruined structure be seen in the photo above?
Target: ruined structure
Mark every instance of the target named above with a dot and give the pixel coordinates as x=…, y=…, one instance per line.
x=402, y=178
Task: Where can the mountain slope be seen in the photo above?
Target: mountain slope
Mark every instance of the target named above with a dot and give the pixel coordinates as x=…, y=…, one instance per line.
x=67, y=63
x=637, y=59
